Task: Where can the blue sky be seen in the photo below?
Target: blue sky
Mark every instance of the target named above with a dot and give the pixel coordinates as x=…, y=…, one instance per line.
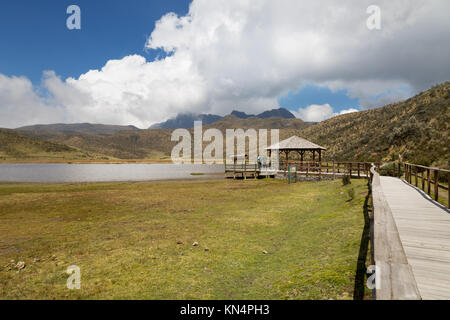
x=311, y=94
x=35, y=38
x=135, y=63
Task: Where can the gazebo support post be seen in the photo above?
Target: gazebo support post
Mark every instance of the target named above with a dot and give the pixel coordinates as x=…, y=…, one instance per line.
x=320, y=164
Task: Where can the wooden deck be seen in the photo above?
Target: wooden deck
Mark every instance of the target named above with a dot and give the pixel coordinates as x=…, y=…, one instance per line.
x=424, y=230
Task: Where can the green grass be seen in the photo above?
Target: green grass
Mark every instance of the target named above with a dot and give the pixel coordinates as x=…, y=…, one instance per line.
x=124, y=238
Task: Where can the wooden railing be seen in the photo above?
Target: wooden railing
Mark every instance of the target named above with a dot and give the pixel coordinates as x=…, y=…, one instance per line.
x=425, y=177
x=243, y=169
x=393, y=275
x=433, y=181
x=334, y=168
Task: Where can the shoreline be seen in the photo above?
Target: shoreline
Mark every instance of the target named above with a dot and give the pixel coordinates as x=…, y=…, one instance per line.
x=115, y=161
x=195, y=178
x=205, y=178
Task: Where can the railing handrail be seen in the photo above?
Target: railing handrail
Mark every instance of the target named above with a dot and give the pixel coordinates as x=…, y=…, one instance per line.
x=425, y=167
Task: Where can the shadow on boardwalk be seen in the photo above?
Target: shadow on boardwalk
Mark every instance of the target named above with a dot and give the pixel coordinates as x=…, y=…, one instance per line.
x=360, y=276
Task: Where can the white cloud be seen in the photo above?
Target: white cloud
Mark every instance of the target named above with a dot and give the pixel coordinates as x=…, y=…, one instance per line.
x=351, y=110
x=20, y=104
x=247, y=54
x=317, y=113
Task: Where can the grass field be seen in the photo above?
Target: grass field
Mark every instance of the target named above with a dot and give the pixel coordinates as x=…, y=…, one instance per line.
x=260, y=239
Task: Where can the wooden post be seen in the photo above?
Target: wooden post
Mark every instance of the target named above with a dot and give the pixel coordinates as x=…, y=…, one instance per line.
x=359, y=171
x=234, y=170
x=350, y=170
x=334, y=171
x=399, y=170
x=429, y=181
x=410, y=174
x=245, y=170
x=301, y=159
x=256, y=170
x=307, y=169
x=423, y=180
x=436, y=185
x=320, y=170
x=415, y=176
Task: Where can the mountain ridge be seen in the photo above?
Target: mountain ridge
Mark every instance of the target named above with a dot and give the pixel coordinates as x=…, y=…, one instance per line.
x=91, y=128
x=186, y=120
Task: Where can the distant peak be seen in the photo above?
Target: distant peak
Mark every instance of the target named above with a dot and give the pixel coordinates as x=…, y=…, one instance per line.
x=240, y=114
x=281, y=113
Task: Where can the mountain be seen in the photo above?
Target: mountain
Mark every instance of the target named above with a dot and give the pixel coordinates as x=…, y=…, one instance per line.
x=279, y=113
x=79, y=127
x=241, y=115
x=14, y=146
x=186, y=120
x=417, y=129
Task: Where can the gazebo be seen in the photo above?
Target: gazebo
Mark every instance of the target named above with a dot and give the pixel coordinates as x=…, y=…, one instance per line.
x=297, y=144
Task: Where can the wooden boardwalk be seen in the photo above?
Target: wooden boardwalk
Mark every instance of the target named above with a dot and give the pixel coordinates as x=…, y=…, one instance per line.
x=424, y=231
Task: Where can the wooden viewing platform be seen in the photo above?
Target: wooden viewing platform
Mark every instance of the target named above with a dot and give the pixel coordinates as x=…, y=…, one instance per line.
x=318, y=169
x=411, y=235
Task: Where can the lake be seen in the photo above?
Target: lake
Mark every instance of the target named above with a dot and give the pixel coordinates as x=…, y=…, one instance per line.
x=57, y=173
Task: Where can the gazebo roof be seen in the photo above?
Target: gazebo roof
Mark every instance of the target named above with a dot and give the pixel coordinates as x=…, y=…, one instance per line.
x=295, y=143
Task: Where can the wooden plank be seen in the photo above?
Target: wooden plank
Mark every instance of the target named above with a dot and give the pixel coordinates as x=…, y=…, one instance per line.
x=396, y=278
x=436, y=185
x=424, y=230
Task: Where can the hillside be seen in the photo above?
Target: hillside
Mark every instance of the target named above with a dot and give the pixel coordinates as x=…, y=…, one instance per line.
x=142, y=144
x=17, y=147
x=79, y=127
x=417, y=129
x=154, y=143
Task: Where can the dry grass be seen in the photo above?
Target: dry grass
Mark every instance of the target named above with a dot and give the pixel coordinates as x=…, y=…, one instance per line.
x=124, y=238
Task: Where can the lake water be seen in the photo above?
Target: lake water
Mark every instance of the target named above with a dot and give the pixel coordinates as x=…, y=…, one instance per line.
x=56, y=173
